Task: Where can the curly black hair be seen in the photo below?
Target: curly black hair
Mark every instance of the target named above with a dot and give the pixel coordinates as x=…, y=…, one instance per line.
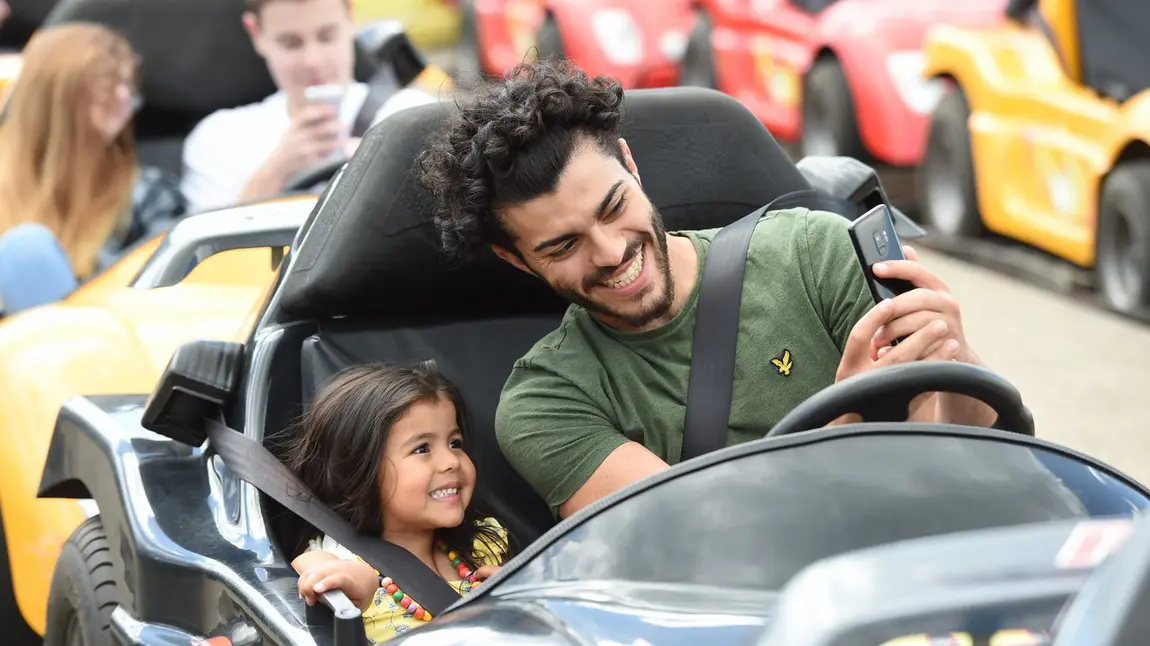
x=509, y=143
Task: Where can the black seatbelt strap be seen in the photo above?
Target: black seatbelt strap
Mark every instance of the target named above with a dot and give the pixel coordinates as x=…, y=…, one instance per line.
x=714, y=344
x=381, y=87
x=366, y=115
x=250, y=461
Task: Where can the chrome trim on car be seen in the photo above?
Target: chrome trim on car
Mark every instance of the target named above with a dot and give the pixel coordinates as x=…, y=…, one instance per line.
x=129, y=631
x=255, y=404
x=195, y=238
x=265, y=338
x=89, y=507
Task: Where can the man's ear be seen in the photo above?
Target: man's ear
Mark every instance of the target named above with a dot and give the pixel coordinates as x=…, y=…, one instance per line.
x=629, y=160
x=511, y=258
x=251, y=24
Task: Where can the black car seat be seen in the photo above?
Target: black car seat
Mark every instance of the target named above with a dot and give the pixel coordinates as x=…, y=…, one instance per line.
x=24, y=18
x=1112, y=47
x=367, y=283
x=196, y=59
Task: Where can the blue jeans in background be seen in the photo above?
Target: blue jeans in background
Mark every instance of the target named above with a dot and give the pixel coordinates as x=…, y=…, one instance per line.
x=34, y=268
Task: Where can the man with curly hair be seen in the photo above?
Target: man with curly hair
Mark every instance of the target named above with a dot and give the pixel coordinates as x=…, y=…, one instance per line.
x=533, y=168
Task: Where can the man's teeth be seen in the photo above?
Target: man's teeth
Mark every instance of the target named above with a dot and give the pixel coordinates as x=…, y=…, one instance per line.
x=443, y=493
x=628, y=276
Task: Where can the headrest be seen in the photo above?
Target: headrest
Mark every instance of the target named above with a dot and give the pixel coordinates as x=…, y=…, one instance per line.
x=371, y=248
x=196, y=56
x=24, y=18
x=1112, y=43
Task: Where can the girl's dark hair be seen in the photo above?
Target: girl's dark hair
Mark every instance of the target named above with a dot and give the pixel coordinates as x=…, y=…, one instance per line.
x=336, y=446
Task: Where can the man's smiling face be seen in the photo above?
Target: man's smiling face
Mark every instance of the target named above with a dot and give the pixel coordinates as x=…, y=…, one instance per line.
x=596, y=240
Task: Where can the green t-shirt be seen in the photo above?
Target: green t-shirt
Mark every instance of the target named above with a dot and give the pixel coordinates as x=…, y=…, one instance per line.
x=585, y=389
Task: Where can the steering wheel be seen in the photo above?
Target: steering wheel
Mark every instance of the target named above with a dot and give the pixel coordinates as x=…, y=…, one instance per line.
x=320, y=173
x=884, y=395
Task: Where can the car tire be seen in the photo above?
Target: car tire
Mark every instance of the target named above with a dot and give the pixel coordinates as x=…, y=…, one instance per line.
x=549, y=40
x=468, y=61
x=830, y=123
x=15, y=630
x=699, y=58
x=83, y=591
x=949, y=195
x=1122, y=267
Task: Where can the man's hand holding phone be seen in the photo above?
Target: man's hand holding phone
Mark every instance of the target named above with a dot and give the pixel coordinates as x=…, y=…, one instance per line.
x=315, y=133
x=926, y=318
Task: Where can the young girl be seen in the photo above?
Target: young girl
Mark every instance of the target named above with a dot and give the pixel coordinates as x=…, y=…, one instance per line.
x=384, y=446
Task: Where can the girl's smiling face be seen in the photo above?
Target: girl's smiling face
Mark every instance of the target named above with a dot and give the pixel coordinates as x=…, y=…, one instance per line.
x=427, y=478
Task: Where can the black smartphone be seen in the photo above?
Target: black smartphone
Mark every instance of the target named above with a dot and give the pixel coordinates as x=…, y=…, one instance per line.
x=875, y=241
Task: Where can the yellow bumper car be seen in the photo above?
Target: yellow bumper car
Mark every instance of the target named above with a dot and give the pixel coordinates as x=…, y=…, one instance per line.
x=1043, y=136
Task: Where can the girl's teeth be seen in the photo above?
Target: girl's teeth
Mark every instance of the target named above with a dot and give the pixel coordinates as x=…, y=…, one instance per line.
x=443, y=493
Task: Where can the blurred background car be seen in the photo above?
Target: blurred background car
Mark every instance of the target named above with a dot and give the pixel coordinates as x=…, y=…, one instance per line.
x=833, y=77
x=1042, y=135
x=639, y=42
x=429, y=23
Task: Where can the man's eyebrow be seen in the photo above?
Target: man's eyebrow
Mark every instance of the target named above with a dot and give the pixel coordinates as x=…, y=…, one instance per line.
x=608, y=197
x=611, y=193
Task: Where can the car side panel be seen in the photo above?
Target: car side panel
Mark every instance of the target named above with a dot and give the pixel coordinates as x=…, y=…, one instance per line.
x=655, y=22
x=56, y=352
x=880, y=45
x=506, y=30
x=179, y=560
x=1028, y=115
x=762, y=50
x=890, y=131
x=46, y=362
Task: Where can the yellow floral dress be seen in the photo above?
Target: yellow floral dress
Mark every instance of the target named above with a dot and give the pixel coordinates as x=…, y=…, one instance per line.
x=386, y=618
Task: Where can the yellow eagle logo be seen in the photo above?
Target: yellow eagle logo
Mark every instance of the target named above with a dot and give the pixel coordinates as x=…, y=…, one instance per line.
x=784, y=364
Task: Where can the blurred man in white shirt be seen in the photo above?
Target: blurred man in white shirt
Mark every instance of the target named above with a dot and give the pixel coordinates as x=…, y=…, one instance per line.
x=251, y=152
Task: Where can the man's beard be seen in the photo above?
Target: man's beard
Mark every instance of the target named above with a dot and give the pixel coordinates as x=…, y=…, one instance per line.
x=661, y=268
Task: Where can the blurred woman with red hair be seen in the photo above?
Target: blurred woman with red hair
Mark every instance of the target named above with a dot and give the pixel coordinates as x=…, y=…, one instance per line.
x=72, y=195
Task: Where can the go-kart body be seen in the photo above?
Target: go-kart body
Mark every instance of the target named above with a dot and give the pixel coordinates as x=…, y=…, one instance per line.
x=703, y=554
x=638, y=42
x=698, y=553
x=763, y=570
x=765, y=50
x=115, y=334
x=1049, y=120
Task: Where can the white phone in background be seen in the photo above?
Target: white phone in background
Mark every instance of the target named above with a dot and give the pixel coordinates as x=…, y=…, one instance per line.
x=331, y=94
